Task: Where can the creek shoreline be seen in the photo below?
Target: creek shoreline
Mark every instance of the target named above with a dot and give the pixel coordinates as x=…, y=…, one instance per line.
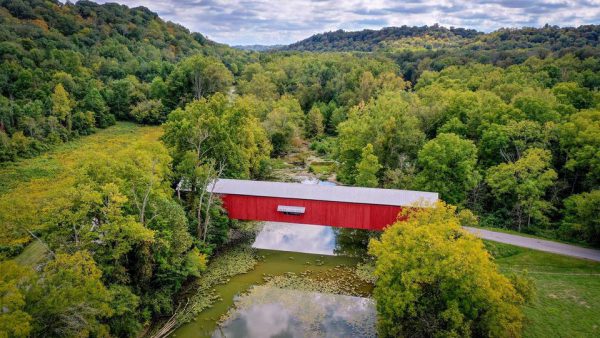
x=201, y=296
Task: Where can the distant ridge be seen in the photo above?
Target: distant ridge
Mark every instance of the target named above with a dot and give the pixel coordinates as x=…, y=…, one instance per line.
x=369, y=40
x=436, y=36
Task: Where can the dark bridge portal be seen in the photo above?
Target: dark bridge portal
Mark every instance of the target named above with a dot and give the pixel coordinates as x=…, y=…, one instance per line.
x=346, y=207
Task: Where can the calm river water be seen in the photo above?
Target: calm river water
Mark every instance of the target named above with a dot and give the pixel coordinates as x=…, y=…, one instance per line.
x=264, y=311
x=256, y=309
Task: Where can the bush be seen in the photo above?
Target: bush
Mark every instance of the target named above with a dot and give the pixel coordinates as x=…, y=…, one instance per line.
x=581, y=217
x=149, y=112
x=7, y=152
x=84, y=123
x=324, y=146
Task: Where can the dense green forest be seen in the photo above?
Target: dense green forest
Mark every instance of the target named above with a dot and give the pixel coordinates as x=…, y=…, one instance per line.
x=505, y=126
x=67, y=69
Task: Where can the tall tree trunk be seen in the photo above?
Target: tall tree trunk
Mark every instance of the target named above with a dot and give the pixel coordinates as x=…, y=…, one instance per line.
x=210, y=198
x=197, y=85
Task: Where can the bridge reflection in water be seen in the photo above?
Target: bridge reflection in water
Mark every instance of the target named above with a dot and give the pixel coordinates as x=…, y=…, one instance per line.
x=315, y=239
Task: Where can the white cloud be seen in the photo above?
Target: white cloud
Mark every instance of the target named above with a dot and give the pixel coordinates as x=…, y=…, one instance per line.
x=283, y=22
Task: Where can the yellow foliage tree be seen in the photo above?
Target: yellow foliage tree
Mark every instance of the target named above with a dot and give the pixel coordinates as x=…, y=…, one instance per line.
x=62, y=105
x=14, y=279
x=435, y=279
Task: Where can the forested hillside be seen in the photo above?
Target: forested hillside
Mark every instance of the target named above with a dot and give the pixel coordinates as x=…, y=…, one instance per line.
x=369, y=40
x=434, y=47
x=68, y=68
x=432, y=37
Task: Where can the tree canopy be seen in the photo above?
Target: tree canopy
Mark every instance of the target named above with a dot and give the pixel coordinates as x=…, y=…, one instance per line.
x=434, y=278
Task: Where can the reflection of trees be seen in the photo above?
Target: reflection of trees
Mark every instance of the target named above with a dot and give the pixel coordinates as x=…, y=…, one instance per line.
x=352, y=242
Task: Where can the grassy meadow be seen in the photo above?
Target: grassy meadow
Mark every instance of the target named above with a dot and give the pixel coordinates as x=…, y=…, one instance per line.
x=31, y=189
x=567, y=301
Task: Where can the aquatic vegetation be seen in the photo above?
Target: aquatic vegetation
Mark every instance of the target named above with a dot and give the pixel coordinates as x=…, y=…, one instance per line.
x=311, y=301
x=230, y=262
x=365, y=271
x=341, y=280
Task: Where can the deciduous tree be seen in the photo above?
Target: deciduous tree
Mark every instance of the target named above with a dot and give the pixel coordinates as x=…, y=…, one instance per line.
x=581, y=216
x=449, y=167
x=69, y=299
x=62, y=106
x=436, y=279
x=367, y=168
x=521, y=186
x=15, y=282
x=314, y=123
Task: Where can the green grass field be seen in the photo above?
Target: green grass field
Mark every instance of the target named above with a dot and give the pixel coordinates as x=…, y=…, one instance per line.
x=32, y=188
x=567, y=302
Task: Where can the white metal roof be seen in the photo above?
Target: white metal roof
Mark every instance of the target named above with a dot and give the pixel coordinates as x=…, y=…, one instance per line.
x=323, y=192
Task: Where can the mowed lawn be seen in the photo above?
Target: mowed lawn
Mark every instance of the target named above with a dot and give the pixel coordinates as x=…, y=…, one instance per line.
x=567, y=303
x=31, y=189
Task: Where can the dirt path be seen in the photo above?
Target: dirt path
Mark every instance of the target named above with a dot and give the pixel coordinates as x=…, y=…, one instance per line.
x=537, y=244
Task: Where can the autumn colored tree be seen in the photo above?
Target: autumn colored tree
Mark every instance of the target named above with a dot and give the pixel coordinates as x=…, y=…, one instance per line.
x=62, y=106
x=69, y=299
x=15, y=281
x=314, y=123
x=436, y=279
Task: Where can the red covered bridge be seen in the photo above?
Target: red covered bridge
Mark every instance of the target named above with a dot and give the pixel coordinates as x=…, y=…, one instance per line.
x=339, y=206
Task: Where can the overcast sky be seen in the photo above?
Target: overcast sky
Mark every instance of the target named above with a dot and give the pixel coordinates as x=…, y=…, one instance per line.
x=286, y=21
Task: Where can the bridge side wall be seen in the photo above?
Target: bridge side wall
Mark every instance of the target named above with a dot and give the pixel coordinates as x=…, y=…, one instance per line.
x=338, y=214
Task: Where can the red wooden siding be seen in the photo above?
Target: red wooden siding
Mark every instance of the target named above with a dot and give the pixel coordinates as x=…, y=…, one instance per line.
x=338, y=214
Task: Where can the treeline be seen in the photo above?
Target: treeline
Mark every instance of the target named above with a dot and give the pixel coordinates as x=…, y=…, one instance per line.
x=369, y=40
x=417, y=49
x=66, y=69
x=502, y=48
x=552, y=38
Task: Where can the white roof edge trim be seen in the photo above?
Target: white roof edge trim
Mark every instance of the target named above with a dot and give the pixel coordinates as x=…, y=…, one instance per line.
x=393, y=197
